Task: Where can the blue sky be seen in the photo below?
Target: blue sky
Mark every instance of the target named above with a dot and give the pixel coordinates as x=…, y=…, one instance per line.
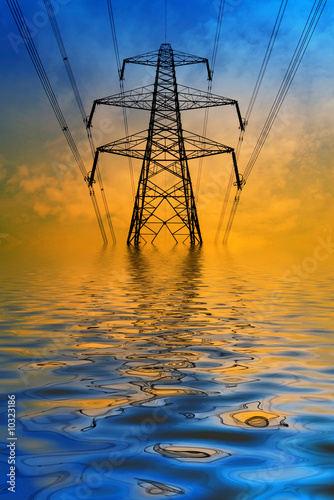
x=295, y=166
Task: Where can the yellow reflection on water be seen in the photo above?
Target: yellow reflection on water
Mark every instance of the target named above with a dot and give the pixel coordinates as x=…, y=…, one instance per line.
x=163, y=324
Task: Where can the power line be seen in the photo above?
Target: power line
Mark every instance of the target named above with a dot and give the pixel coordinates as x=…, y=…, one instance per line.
x=56, y=31
x=40, y=70
x=266, y=58
x=224, y=207
x=165, y=21
x=121, y=84
x=303, y=42
x=114, y=36
x=263, y=68
x=295, y=61
x=217, y=35
x=257, y=86
x=213, y=64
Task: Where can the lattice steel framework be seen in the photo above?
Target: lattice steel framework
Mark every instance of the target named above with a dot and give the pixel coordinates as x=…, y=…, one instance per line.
x=165, y=197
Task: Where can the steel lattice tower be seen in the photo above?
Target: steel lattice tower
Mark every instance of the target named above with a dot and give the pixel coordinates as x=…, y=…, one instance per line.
x=165, y=195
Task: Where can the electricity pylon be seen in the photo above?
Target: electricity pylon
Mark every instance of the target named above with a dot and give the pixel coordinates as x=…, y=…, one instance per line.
x=165, y=197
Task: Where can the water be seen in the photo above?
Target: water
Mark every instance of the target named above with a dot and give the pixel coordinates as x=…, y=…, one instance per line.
x=191, y=373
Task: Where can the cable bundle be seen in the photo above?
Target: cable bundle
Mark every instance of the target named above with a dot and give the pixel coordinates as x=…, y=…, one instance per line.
x=303, y=42
x=40, y=70
x=56, y=31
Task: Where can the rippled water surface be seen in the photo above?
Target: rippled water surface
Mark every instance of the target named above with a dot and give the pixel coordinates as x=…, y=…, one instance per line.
x=191, y=373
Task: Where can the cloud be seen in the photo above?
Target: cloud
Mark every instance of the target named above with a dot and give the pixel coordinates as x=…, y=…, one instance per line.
x=41, y=181
x=45, y=195
x=3, y=171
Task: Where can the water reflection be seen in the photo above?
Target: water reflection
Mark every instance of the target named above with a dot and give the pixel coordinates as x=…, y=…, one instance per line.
x=251, y=414
x=156, y=488
x=167, y=285
x=166, y=300
x=148, y=374
x=188, y=453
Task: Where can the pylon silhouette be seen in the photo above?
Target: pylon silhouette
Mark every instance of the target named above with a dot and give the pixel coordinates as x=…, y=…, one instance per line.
x=165, y=197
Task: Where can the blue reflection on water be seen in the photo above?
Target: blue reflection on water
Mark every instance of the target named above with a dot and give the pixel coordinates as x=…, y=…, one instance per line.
x=144, y=376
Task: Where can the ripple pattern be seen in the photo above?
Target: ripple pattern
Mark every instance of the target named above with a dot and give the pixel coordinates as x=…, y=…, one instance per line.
x=142, y=376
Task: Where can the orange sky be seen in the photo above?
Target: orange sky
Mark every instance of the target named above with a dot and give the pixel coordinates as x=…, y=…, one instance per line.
x=288, y=197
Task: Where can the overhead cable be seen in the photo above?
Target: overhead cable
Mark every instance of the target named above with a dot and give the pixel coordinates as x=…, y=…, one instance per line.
x=257, y=86
x=212, y=68
x=303, y=42
x=56, y=31
x=40, y=70
x=295, y=61
x=121, y=84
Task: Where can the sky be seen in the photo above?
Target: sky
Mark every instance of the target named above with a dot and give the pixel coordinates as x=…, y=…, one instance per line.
x=288, y=197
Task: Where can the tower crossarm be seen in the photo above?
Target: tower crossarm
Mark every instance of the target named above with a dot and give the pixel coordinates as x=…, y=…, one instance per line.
x=198, y=146
x=190, y=98
x=134, y=145
x=151, y=59
x=147, y=59
x=183, y=59
x=141, y=98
